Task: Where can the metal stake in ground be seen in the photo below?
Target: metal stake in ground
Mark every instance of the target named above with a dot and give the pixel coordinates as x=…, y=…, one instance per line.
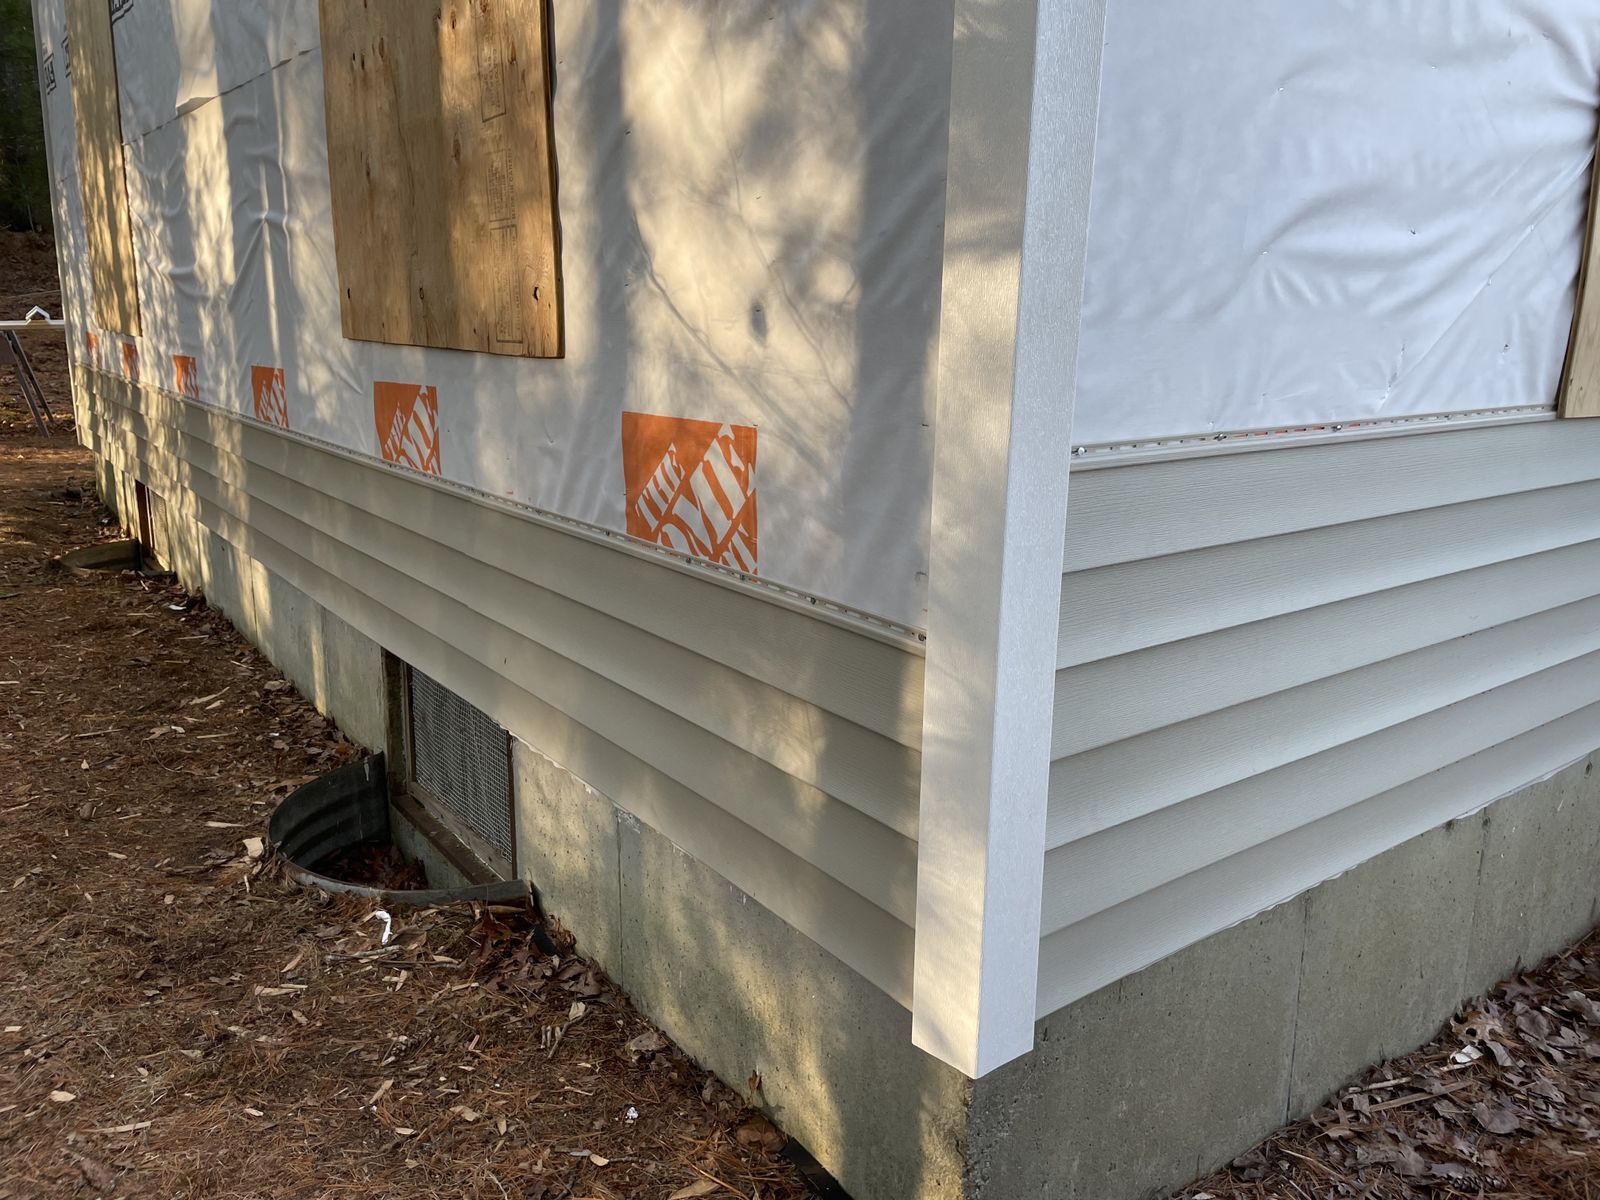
x=13, y=356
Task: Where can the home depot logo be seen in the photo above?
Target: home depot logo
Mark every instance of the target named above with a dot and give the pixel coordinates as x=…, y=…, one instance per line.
x=130, y=362
x=270, y=396
x=186, y=376
x=407, y=417
x=691, y=486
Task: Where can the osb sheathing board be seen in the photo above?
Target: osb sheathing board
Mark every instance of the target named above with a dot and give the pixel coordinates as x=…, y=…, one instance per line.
x=443, y=176
x=101, y=173
x=1580, y=381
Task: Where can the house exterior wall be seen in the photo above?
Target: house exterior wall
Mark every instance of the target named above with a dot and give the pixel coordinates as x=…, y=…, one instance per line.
x=1275, y=664
x=776, y=747
x=750, y=207
x=750, y=202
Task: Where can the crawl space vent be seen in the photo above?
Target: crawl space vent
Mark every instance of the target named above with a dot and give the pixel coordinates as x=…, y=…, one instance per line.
x=461, y=768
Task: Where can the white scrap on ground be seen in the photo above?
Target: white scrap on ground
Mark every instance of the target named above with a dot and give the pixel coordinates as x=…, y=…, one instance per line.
x=388, y=924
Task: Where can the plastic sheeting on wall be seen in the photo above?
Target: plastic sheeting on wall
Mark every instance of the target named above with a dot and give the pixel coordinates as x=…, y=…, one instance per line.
x=751, y=202
x=186, y=52
x=72, y=252
x=1330, y=212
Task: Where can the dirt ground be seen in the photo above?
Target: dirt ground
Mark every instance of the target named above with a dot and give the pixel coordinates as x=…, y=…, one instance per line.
x=178, y=1021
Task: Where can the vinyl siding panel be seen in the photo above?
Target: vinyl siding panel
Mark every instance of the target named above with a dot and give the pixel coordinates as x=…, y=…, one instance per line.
x=1241, y=582
x=1250, y=494
x=1123, y=938
x=1275, y=664
x=793, y=777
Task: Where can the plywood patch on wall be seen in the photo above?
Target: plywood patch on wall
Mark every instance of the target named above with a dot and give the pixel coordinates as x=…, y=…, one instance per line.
x=1580, y=378
x=101, y=172
x=443, y=173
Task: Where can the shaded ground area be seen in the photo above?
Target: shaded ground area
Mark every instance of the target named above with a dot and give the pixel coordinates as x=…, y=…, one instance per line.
x=177, y=1021
x=1506, y=1103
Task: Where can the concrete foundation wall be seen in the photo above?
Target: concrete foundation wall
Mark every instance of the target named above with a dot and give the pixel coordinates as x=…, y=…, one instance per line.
x=743, y=993
x=1130, y=1092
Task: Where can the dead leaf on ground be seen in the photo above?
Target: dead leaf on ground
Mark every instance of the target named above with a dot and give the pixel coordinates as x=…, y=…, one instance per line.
x=97, y=1173
x=1496, y=1118
x=757, y=1131
x=648, y=1042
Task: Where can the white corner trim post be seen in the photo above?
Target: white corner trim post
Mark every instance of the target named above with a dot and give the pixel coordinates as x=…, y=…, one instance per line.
x=1024, y=105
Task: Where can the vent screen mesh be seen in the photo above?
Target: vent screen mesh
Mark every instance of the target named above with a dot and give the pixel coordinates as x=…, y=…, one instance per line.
x=459, y=757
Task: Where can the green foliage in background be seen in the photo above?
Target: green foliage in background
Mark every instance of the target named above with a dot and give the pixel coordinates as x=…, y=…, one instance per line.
x=24, y=177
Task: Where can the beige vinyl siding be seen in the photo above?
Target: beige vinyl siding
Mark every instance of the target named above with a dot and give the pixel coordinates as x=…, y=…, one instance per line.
x=1275, y=664
x=778, y=747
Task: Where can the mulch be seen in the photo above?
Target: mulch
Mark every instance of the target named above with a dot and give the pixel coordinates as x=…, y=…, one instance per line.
x=177, y=1019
